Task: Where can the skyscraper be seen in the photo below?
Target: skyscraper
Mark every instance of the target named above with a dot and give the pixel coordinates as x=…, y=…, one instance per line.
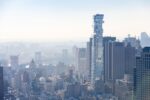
x=105, y=41
x=14, y=61
x=145, y=39
x=88, y=57
x=114, y=62
x=1, y=84
x=82, y=62
x=130, y=57
x=133, y=42
x=65, y=56
x=38, y=58
x=142, y=76
x=97, y=48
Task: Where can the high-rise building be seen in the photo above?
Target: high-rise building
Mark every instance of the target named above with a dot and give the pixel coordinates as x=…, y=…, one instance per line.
x=133, y=42
x=114, y=62
x=105, y=41
x=97, y=49
x=38, y=58
x=14, y=61
x=130, y=57
x=75, y=58
x=88, y=57
x=82, y=63
x=65, y=56
x=142, y=76
x=145, y=39
x=1, y=84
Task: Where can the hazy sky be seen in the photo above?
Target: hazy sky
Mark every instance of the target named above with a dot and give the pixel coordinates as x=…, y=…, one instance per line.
x=65, y=20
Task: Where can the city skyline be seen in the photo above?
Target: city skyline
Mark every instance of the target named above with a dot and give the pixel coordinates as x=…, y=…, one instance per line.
x=100, y=68
x=49, y=20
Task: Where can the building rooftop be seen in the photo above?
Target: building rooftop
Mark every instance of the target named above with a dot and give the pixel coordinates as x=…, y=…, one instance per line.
x=146, y=49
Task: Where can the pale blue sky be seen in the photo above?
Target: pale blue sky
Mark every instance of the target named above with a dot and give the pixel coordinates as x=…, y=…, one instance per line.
x=64, y=20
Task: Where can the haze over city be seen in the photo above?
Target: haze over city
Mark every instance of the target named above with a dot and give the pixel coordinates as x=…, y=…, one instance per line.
x=74, y=50
x=65, y=20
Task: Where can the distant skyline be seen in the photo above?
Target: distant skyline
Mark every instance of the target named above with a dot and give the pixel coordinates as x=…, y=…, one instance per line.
x=71, y=20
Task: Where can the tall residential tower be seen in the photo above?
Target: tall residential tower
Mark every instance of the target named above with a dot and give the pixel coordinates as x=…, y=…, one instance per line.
x=97, y=49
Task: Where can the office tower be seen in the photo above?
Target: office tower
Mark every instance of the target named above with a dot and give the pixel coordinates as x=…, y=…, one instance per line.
x=82, y=63
x=105, y=41
x=145, y=39
x=142, y=76
x=38, y=58
x=25, y=83
x=75, y=58
x=88, y=57
x=97, y=49
x=133, y=42
x=130, y=57
x=14, y=61
x=65, y=56
x=114, y=62
x=1, y=84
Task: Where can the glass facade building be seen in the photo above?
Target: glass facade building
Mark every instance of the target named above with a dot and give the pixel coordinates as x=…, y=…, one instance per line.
x=142, y=76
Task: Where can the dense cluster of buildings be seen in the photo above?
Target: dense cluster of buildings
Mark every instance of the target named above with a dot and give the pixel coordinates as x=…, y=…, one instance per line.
x=106, y=69
x=114, y=67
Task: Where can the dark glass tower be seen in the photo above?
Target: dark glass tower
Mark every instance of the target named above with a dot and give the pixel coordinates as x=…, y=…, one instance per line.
x=142, y=76
x=1, y=84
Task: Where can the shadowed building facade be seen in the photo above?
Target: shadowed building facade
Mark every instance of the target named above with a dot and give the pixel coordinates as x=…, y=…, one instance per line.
x=1, y=84
x=142, y=76
x=114, y=63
